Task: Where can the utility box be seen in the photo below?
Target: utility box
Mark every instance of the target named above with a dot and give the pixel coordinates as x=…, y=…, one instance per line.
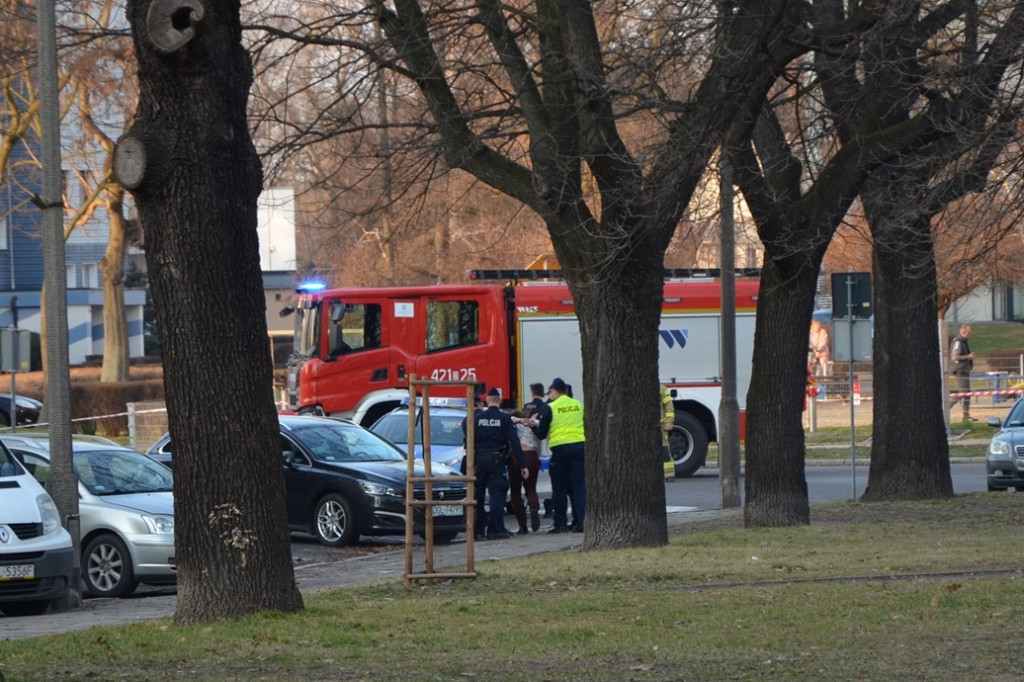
x=15, y=350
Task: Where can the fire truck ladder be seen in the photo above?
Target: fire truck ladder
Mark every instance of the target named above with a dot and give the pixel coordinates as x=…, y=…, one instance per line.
x=517, y=275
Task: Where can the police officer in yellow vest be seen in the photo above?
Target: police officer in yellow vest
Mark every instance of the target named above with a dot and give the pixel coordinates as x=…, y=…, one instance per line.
x=562, y=424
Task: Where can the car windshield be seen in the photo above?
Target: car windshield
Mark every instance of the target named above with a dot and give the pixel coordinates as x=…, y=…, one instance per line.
x=8, y=464
x=121, y=472
x=344, y=443
x=445, y=429
x=1016, y=416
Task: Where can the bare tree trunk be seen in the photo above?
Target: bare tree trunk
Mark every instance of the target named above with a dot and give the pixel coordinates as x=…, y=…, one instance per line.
x=625, y=478
x=196, y=177
x=116, y=366
x=906, y=463
x=776, y=489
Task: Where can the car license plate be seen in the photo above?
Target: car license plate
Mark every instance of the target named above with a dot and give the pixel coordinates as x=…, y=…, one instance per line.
x=18, y=572
x=446, y=510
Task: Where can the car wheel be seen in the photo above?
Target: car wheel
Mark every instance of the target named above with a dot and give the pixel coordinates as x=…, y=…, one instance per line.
x=688, y=443
x=333, y=522
x=107, y=568
x=24, y=608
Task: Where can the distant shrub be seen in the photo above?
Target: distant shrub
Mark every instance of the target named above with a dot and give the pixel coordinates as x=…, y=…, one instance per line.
x=93, y=401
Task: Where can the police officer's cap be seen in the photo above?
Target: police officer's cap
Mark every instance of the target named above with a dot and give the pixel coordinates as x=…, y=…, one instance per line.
x=557, y=385
x=494, y=392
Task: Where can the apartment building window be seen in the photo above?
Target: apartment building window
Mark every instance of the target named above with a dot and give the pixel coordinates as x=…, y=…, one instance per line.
x=70, y=276
x=91, y=276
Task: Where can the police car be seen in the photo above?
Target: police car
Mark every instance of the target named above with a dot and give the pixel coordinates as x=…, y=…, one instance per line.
x=446, y=435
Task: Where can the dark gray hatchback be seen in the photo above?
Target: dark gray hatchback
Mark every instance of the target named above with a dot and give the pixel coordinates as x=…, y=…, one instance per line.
x=1005, y=459
x=344, y=481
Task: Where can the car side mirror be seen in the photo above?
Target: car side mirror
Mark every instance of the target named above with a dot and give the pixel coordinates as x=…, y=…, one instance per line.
x=288, y=456
x=994, y=422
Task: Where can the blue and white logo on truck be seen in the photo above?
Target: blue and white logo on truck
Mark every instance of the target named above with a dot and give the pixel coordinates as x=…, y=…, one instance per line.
x=674, y=337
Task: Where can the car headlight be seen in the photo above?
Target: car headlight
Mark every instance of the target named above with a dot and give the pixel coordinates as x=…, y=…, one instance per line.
x=381, y=490
x=159, y=525
x=48, y=514
x=998, y=450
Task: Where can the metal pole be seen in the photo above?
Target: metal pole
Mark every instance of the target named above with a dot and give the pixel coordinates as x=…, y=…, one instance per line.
x=729, y=407
x=853, y=413
x=15, y=356
x=64, y=484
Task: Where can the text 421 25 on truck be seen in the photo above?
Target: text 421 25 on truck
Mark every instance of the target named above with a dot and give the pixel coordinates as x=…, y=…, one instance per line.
x=355, y=348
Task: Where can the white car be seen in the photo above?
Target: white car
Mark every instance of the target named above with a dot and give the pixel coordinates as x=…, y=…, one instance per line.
x=126, y=506
x=35, y=551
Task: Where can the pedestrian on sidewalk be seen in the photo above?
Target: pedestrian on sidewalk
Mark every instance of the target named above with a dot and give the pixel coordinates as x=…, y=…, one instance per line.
x=528, y=484
x=962, y=361
x=496, y=444
x=562, y=424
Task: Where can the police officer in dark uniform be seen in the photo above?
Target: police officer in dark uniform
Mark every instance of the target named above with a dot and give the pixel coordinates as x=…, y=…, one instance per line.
x=495, y=437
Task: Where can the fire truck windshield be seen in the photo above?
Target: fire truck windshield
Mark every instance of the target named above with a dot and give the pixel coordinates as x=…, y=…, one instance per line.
x=308, y=326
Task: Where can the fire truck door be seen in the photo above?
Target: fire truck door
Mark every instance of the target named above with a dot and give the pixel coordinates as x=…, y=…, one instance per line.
x=355, y=357
x=460, y=343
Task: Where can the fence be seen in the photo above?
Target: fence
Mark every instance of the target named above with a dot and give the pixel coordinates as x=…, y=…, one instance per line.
x=147, y=421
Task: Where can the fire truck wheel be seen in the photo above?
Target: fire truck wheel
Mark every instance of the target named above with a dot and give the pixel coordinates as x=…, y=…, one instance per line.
x=688, y=443
x=333, y=522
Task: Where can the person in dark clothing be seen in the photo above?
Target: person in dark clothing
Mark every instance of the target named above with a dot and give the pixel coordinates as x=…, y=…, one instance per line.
x=961, y=359
x=494, y=438
x=533, y=406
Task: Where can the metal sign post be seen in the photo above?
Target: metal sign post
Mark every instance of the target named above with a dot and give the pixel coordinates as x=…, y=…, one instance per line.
x=851, y=299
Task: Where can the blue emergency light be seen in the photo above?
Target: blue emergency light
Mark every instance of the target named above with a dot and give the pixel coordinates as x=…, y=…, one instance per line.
x=310, y=287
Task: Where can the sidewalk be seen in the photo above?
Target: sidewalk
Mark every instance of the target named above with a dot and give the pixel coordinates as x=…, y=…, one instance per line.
x=312, y=577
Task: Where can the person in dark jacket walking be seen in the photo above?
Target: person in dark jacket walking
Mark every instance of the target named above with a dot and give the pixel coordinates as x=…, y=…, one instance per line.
x=494, y=438
x=961, y=359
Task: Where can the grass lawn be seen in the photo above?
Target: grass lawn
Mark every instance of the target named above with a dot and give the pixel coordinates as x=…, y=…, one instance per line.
x=929, y=590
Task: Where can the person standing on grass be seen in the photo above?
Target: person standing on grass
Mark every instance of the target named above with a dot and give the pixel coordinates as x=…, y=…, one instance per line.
x=961, y=359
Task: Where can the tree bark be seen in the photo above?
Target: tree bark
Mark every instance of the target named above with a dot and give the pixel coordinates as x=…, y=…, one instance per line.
x=116, y=354
x=625, y=477
x=906, y=463
x=776, y=489
x=197, y=199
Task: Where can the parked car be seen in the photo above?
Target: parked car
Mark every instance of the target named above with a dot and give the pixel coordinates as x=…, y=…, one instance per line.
x=1005, y=459
x=343, y=481
x=126, y=507
x=27, y=409
x=446, y=434
x=35, y=551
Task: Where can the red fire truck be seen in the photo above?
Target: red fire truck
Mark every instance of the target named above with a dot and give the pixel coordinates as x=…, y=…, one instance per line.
x=356, y=348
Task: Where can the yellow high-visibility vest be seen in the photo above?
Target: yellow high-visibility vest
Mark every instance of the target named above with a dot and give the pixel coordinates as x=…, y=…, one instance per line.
x=566, y=421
